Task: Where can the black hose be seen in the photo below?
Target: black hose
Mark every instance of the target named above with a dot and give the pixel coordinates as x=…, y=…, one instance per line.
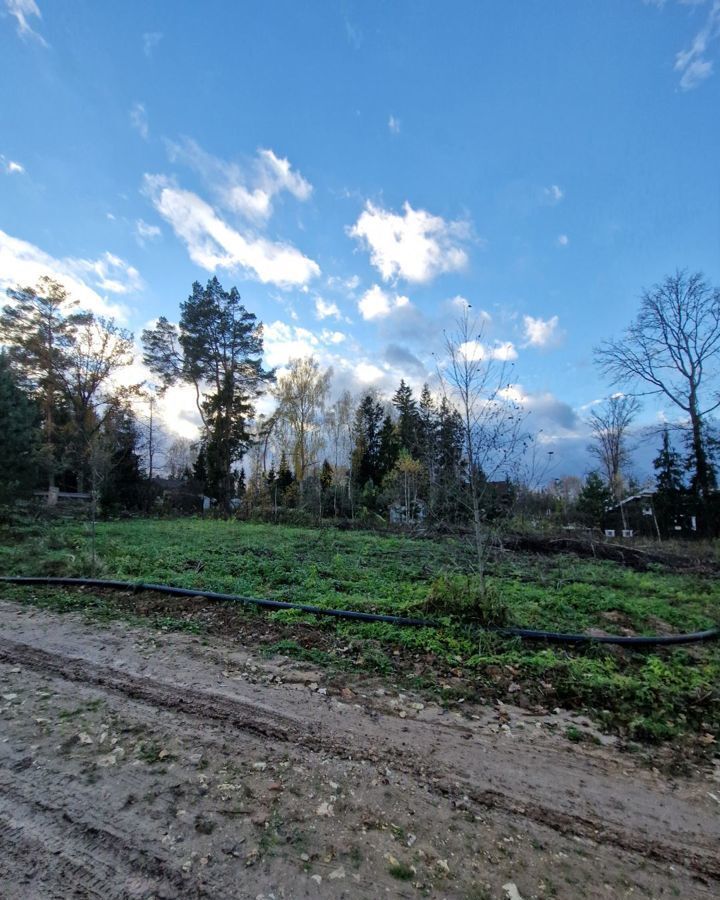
x=529, y=634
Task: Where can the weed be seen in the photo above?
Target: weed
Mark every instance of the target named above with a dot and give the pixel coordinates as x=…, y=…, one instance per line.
x=401, y=871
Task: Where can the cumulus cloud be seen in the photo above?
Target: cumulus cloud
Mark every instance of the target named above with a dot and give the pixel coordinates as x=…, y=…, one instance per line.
x=404, y=359
x=23, y=10
x=249, y=191
x=376, y=303
x=555, y=417
x=325, y=310
x=501, y=351
x=692, y=62
x=139, y=120
x=23, y=264
x=213, y=244
x=416, y=245
x=541, y=332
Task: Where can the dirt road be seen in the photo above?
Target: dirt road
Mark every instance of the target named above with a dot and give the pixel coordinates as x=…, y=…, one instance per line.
x=138, y=764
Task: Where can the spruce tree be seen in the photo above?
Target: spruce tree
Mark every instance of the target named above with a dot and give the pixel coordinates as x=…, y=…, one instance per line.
x=594, y=500
x=408, y=423
x=670, y=493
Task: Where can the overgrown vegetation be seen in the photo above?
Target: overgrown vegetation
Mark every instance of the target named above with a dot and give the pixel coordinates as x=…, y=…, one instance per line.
x=650, y=696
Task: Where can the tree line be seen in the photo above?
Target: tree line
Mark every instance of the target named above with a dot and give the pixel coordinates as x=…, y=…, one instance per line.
x=452, y=456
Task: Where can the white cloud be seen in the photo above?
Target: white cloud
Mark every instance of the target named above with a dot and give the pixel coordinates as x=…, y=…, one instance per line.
x=23, y=264
x=110, y=273
x=10, y=166
x=475, y=351
x=553, y=194
x=368, y=373
x=139, y=120
x=145, y=232
x=332, y=337
x=325, y=310
x=541, y=332
x=692, y=63
x=150, y=41
x=376, y=303
x=394, y=125
x=213, y=244
x=415, y=246
x=563, y=240
x=249, y=193
x=22, y=10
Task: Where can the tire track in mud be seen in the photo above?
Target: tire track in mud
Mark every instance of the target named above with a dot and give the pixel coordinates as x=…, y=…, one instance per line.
x=262, y=720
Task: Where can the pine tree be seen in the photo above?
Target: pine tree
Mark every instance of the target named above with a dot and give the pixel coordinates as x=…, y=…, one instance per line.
x=217, y=348
x=19, y=436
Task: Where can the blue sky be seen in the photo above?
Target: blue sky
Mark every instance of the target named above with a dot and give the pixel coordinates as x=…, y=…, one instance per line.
x=355, y=167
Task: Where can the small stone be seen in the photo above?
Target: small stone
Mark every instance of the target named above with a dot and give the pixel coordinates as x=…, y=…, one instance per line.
x=259, y=766
x=336, y=874
x=316, y=878
x=325, y=809
x=84, y=738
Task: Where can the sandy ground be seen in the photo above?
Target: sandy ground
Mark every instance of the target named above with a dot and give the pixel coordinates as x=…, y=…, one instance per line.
x=138, y=764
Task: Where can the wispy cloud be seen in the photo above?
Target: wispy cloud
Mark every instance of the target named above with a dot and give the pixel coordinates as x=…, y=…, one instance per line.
x=23, y=264
x=139, y=120
x=247, y=190
x=394, y=125
x=213, y=244
x=693, y=63
x=150, y=41
x=23, y=10
x=563, y=240
x=145, y=232
x=553, y=193
x=11, y=166
x=416, y=245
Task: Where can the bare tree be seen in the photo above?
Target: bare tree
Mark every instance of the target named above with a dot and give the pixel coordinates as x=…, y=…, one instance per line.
x=301, y=395
x=180, y=456
x=89, y=383
x=476, y=379
x=673, y=349
x=609, y=425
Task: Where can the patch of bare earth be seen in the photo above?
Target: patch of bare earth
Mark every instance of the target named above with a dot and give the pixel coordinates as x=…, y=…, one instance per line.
x=143, y=765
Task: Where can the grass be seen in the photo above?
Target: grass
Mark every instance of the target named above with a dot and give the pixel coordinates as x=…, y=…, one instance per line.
x=650, y=696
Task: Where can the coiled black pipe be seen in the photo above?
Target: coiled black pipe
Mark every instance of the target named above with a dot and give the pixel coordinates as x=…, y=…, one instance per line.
x=528, y=634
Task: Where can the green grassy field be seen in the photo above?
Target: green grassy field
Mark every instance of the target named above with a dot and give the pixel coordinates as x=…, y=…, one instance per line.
x=649, y=696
